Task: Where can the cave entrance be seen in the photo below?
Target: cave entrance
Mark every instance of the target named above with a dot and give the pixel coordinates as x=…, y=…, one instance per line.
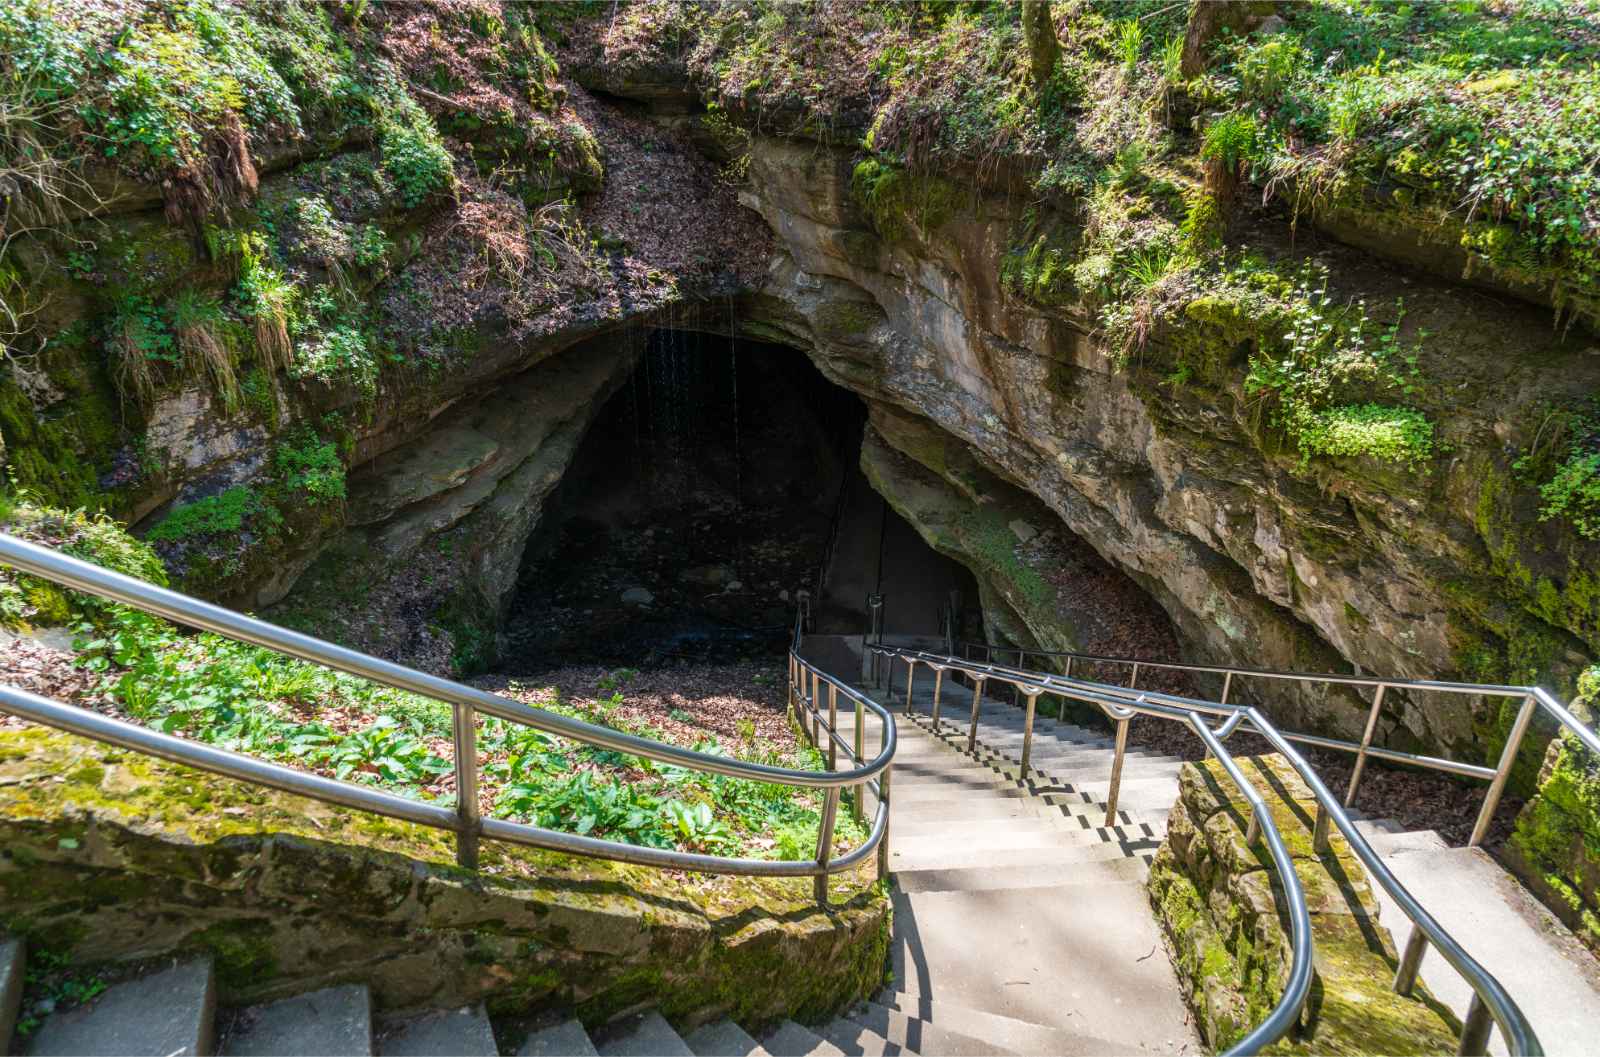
x=706, y=494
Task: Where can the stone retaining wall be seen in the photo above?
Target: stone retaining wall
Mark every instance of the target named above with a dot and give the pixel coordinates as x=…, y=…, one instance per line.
x=1221, y=907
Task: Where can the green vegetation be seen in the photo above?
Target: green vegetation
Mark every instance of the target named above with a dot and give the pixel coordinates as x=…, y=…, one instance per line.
x=313, y=467
x=26, y=600
x=253, y=700
x=893, y=198
x=221, y=514
x=50, y=979
x=258, y=702
x=1564, y=461
x=1328, y=351
x=1488, y=112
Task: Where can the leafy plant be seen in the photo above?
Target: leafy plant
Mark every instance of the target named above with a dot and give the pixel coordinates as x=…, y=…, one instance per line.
x=415, y=159
x=1572, y=491
x=223, y=513
x=695, y=826
x=1129, y=44
x=385, y=749
x=1328, y=353
x=140, y=340
x=313, y=467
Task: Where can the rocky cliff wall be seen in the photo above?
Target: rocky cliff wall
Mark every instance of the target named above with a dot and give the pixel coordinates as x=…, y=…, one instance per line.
x=1164, y=467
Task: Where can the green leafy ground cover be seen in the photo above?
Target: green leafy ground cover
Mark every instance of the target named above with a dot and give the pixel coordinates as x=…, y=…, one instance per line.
x=251, y=700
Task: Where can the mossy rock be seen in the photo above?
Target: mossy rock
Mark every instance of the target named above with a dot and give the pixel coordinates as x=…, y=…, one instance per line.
x=107, y=854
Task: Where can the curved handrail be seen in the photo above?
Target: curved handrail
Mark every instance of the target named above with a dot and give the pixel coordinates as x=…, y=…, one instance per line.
x=1535, y=698
x=1298, y=987
x=1442, y=685
x=467, y=702
x=1490, y=998
x=93, y=579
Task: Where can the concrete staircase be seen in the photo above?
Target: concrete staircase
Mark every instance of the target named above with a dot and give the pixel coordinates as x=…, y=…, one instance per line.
x=170, y=1010
x=1499, y=922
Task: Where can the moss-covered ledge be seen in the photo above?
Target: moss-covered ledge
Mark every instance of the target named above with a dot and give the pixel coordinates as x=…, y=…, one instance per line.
x=109, y=855
x=1221, y=908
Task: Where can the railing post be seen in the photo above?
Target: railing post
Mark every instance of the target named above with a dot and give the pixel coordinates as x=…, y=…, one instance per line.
x=888, y=690
x=833, y=727
x=830, y=809
x=1227, y=684
x=1252, y=829
x=1475, y=1029
x=1366, y=743
x=1405, y=975
x=1319, y=831
x=1133, y=679
x=977, y=702
x=1027, y=732
x=883, y=801
x=938, y=684
x=1508, y=756
x=466, y=750
x=792, y=711
x=911, y=681
x=860, y=799
x=1114, y=787
x=1061, y=706
x=816, y=709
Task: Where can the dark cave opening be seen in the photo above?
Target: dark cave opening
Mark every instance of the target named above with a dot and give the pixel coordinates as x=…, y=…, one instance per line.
x=702, y=501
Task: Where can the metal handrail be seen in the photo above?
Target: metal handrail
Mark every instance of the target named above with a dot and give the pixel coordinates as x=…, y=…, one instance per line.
x=1298, y=987
x=1534, y=698
x=1490, y=1000
x=467, y=703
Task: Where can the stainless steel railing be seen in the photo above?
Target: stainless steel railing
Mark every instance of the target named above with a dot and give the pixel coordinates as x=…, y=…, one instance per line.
x=1490, y=1003
x=464, y=820
x=1534, y=699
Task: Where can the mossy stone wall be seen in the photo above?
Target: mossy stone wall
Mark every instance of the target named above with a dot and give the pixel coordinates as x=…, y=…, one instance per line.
x=1221, y=907
x=108, y=855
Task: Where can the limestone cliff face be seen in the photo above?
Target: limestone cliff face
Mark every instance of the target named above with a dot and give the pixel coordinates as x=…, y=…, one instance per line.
x=1258, y=559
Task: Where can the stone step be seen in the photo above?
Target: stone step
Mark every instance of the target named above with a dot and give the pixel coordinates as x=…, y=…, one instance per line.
x=1162, y=790
x=913, y=794
x=644, y=1034
x=959, y=829
x=904, y=846
x=957, y=808
x=566, y=1039
x=1086, y=959
x=335, y=1021
x=1072, y=757
x=791, y=1040
x=856, y=1040
x=440, y=1033
x=950, y=857
x=169, y=1012
x=723, y=1039
x=13, y=958
x=1509, y=933
x=1018, y=1036
x=909, y=1033
x=1422, y=840
x=1108, y=864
